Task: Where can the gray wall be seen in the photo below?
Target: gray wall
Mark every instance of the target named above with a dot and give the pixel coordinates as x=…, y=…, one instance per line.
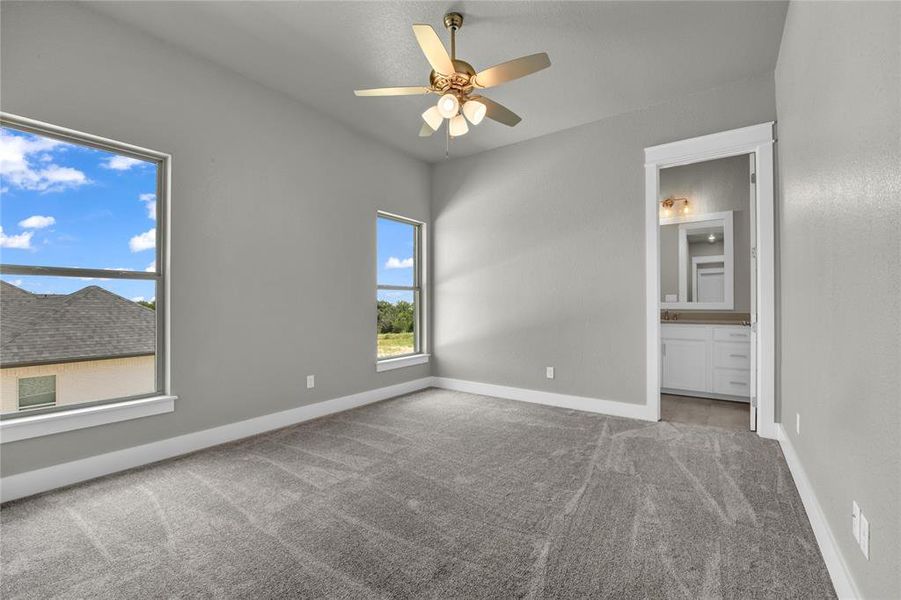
x=539, y=248
x=273, y=221
x=714, y=186
x=839, y=105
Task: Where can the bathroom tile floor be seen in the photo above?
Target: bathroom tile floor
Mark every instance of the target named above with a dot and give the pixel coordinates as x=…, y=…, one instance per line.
x=704, y=411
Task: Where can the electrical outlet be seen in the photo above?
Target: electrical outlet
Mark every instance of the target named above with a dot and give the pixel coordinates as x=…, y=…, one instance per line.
x=550, y=372
x=798, y=423
x=865, y=536
x=855, y=520
x=311, y=381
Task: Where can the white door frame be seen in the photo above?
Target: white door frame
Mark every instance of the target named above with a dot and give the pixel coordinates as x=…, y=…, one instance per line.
x=756, y=140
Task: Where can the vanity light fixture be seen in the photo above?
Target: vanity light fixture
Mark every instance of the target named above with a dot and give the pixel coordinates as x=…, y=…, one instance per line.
x=711, y=238
x=671, y=206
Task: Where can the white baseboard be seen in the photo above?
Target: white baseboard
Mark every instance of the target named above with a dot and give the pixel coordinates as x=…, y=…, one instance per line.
x=42, y=480
x=595, y=405
x=841, y=576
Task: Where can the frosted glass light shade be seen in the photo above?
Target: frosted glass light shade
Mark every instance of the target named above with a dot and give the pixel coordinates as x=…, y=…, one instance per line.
x=433, y=118
x=458, y=126
x=448, y=105
x=474, y=111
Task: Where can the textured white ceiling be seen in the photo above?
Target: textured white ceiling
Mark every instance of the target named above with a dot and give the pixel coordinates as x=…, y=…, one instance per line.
x=607, y=57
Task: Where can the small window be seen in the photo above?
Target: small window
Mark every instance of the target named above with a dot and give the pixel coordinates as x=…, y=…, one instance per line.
x=37, y=392
x=399, y=295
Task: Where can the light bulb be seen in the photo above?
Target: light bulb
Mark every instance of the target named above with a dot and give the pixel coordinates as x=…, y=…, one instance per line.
x=433, y=118
x=448, y=105
x=474, y=111
x=458, y=126
x=711, y=238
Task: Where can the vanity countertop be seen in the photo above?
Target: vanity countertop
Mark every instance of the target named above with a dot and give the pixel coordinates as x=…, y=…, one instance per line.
x=703, y=322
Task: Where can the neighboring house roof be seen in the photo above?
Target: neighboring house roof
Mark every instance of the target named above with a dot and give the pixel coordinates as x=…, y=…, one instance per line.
x=90, y=324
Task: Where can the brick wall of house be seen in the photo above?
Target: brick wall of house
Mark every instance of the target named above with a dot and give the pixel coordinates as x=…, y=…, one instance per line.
x=84, y=381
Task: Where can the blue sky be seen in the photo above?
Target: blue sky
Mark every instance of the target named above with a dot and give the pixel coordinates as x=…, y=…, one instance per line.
x=395, y=258
x=65, y=205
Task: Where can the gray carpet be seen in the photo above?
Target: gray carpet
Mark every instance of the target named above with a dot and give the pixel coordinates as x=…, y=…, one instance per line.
x=432, y=495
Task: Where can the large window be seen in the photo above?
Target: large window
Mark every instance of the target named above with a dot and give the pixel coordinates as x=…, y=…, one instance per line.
x=399, y=296
x=82, y=281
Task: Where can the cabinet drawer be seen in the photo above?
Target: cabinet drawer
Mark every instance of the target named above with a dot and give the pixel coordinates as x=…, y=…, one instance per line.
x=732, y=355
x=684, y=332
x=731, y=334
x=736, y=382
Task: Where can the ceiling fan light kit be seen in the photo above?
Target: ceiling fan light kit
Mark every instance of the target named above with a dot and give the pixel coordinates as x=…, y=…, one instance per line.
x=455, y=80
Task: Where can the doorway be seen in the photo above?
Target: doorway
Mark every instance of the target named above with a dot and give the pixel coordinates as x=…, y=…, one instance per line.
x=710, y=282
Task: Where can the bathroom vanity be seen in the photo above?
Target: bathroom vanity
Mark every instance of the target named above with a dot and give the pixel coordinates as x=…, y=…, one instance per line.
x=706, y=360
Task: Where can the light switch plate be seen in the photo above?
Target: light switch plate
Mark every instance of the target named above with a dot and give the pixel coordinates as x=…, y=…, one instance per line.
x=865, y=536
x=798, y=423
x=550, y=372
x=855, y=520
x=311, y=381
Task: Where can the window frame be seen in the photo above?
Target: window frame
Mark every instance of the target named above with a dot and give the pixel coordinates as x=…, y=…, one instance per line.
x=160, y=398
x=19, y=393
x=419, y=354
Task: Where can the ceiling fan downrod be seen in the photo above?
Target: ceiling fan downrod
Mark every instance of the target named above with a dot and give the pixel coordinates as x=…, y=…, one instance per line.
x=453, y=21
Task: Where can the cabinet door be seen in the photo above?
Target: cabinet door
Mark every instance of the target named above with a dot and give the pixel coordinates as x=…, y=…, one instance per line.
x=685, y=365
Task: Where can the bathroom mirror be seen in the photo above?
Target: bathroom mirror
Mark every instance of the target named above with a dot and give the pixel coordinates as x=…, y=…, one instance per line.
x=696, y=262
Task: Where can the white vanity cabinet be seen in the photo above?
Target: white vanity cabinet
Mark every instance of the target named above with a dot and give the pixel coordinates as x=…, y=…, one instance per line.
x=711, y=361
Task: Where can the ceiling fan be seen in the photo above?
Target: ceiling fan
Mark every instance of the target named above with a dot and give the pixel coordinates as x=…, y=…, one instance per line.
x=457, y=83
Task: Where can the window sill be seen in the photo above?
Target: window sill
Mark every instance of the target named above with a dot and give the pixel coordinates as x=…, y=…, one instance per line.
x=389, y=364
x=23, y=428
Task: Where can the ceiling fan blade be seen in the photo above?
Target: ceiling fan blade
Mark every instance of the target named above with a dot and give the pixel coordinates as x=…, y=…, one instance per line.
x=433, y=49
x=425, y=130
x=499, y=112
x=510, y=70
x=394, y=91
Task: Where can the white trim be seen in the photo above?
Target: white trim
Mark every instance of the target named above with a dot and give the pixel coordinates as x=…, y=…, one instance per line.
x=42, y=480
x=389, y=364
x=595, y=405
x=706, y=147
x=757, y=140
x=842, y=580
x=23, y=428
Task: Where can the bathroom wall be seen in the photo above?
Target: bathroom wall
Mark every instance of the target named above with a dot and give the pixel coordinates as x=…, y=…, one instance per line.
x=711, y=186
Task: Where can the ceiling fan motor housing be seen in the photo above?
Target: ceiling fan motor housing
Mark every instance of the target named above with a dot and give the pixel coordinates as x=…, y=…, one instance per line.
x=459, y=82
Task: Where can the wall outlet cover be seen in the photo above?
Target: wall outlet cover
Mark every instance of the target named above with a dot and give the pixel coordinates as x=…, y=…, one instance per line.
x=855, y=520
x=550, y=372
x=311, y=381
x=865, y=536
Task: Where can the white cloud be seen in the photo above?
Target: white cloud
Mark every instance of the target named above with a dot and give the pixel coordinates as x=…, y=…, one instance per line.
x=16, y=282
x=21, y=241
x=143, y=241
x=150, y=201
x=37, y=222
x=151, y=268
x=397, y=263
x=19, y=152
x=138, y=299
x=121, y=163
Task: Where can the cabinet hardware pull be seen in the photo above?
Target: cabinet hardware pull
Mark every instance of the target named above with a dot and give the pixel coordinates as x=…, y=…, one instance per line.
x=738, y=355
x=737, y=335
x=738, y=383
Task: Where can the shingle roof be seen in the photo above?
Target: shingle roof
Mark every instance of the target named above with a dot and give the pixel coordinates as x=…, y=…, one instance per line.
x=89, y=324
